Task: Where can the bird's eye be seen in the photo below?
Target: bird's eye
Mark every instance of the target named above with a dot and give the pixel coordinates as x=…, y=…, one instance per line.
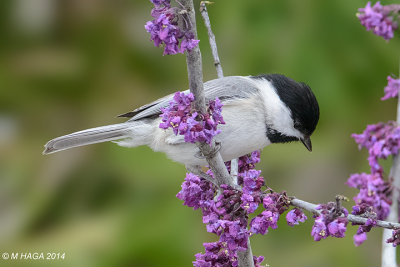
x=296, y=124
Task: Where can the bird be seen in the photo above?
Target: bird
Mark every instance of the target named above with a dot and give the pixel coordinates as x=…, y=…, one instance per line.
x=257, y=110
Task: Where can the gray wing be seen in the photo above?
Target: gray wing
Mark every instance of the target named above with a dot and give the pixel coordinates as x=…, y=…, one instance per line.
x=226, y=89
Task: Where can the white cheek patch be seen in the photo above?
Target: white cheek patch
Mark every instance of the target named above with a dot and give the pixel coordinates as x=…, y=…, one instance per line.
x=278, y=115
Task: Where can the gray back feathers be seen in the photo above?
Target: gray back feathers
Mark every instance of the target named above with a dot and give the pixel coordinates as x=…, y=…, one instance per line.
x=227, y=88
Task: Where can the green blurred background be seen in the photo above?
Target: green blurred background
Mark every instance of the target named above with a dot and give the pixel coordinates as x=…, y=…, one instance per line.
x=68, y=65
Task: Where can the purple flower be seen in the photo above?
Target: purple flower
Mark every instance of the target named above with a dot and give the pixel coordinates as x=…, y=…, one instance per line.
x=362, y=230
x=381, y=140
x=176, y=113
x=261, y=223
x=392, y=89
x=337, y=228
x=196, y=192
x=395, y=239
x=249, y=204
x=245, y=163
x=215, y=108
x=215, y=255
x=163, y=32
x=248, y=162
x=319, y=230
x=329, y=222
x=374, y=195
x=164, y=29
x=359, y=239
x=252, y=181
x=235, y=235
x=275, y=204
x=258, y=260
x=370, y=17
x=201, y=130
x=295, y=216
x=192, y=125
x=222, y=216
x=188, y=43
x=226, y=214
x=379, y=19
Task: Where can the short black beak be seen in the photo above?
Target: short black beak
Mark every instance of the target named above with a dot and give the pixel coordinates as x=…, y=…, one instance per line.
x=307, y=143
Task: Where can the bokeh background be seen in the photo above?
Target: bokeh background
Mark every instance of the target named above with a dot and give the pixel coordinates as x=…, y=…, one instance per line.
x=68, y=65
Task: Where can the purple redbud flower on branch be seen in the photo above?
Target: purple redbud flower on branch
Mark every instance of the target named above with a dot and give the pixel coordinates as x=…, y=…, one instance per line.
x=381, y=140
x=223, y=217
x=226, y=214
x=195, y=127
x=258, y=260
x=319, y=230
x=274, y=204
x=295, y=216
x=251, y=191
x=362, y=231
x=164, y=28
x=217, y=254
x=395, y=239
x=359, y=239
x=374, y=196
x=329, y=222
x=261, y=223
x=248, y=162
x=196, y=192
x=245, y=163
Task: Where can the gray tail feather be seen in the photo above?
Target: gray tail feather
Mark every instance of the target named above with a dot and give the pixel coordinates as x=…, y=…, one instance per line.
x=89, y=136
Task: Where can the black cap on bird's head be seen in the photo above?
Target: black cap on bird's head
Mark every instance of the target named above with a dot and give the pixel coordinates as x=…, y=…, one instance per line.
x=301, y=101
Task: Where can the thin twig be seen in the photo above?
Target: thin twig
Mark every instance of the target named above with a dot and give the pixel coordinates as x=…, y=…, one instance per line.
x=211, y=38
x=351, y=218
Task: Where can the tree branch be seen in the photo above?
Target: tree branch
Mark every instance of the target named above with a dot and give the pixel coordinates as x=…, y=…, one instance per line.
x=351, y=218
x=211, y=38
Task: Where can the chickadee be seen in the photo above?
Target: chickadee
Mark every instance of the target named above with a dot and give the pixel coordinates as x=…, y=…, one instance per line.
x=257, y=110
